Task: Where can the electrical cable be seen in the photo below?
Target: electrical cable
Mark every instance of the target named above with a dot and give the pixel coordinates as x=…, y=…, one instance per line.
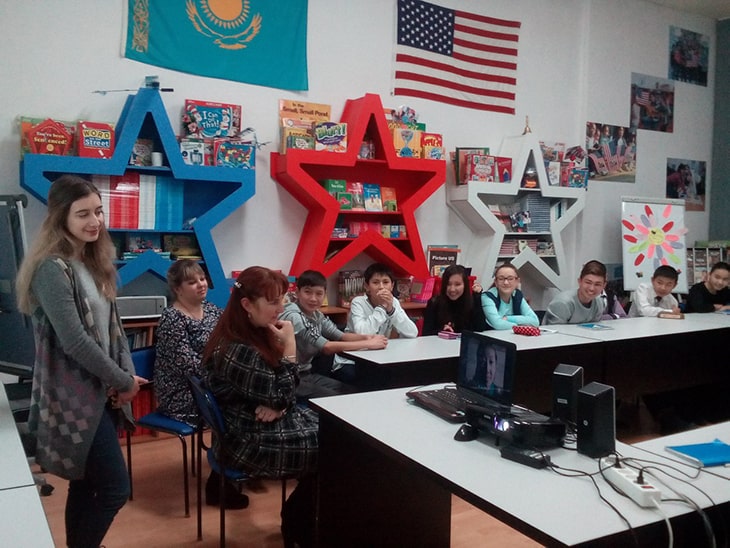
x=670, y=531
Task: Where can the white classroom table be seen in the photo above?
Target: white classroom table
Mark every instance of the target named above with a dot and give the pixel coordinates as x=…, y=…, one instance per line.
x=418, y=465
x=22, y=520
x=419, y=349
x=14, y=469
x=625, y=329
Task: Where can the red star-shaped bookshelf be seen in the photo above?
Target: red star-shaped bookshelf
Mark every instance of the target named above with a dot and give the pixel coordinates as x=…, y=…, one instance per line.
x=300, y=172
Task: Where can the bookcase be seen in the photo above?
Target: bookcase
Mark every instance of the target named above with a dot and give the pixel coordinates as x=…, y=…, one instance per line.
x=300, y=172
x=536, y=248
x=206, y=194
x=703, y=256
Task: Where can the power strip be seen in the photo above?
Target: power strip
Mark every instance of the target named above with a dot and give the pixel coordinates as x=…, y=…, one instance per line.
x=625, y=478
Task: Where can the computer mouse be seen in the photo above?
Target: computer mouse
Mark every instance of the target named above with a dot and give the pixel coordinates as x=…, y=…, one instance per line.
x=466, y=433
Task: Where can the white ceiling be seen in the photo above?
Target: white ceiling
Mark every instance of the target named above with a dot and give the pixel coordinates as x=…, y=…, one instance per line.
x=714, y=9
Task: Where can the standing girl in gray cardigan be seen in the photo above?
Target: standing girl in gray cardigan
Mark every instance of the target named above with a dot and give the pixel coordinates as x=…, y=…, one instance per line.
x=83, y=377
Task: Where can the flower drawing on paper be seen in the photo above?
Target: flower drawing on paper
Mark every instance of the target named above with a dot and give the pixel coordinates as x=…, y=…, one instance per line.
x=655, y=238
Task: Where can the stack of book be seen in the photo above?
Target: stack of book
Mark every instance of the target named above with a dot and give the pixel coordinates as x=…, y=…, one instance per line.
x=139, y=201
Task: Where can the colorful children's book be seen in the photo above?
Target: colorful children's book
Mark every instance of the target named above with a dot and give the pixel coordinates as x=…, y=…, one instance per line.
x=460, y=161
x=330, y=136
x=356, y=190
x=94, y=139
x=371, y=194
x=390, y=203
x=333, y=186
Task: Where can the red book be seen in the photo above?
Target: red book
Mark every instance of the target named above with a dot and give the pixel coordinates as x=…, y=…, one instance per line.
x=124, y=201
x=95, y=139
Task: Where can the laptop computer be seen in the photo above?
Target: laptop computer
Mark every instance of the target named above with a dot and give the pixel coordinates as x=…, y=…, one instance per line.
x=485, y=377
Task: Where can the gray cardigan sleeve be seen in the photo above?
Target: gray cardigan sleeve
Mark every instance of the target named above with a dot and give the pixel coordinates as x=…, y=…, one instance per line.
x=54, y=294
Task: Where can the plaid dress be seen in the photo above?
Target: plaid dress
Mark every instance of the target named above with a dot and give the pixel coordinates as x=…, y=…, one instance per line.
x=241, y=381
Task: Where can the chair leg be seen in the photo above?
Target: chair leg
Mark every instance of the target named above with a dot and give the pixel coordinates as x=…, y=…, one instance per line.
x=222, y=491
x=129, y=464
x=192, y=453
x=283, y=492
x=199, y=488
x=185, y=475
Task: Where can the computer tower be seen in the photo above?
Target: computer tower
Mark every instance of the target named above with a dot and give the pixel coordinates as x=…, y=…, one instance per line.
x=567, y=380
x=596, y=420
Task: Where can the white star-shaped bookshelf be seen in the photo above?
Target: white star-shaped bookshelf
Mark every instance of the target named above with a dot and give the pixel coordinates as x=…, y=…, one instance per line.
x=538, y=250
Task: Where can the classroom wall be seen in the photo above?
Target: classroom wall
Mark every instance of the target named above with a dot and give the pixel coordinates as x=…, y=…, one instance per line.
x=575, y=63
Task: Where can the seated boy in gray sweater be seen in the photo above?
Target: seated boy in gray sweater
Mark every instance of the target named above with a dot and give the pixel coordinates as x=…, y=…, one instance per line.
x=316, y=334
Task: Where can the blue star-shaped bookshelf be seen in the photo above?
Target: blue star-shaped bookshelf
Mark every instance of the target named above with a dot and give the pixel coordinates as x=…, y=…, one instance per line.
x=210, y=194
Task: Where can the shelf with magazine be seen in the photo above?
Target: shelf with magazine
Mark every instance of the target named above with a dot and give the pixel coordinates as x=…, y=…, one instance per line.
x=335, y=233
x=522, y=219
x=154, y=201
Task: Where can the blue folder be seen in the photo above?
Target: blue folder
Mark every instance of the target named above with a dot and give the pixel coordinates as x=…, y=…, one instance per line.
x=714, y=453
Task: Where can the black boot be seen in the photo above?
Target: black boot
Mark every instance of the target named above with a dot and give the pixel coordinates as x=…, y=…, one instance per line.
x=234, y=499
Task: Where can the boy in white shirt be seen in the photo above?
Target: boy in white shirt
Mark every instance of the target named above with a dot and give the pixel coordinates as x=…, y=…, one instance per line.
x=655, y=299
x=377, y=312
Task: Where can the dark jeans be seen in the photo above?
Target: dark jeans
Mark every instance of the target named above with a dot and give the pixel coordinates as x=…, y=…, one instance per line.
x=93, y=501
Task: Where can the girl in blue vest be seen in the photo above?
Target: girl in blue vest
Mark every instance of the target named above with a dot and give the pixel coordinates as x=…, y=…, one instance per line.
x=503, y=304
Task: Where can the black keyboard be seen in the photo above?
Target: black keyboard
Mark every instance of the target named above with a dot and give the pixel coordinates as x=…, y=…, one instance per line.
x=451, y=404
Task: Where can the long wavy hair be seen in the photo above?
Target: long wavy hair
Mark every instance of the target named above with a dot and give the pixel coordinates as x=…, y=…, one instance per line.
x=457, y=312
x=54, y=239
x=234, y=325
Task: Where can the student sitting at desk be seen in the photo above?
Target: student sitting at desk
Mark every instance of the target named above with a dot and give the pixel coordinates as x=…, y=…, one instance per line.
x=713, y=294
x=377, y=312
x=581, y=305
x=456, y=307
x=504, y=305
x=316, y=334
x=655, y=298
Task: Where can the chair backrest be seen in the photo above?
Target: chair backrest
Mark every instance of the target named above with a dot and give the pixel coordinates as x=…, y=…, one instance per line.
x=207, y=405
x=144, y=361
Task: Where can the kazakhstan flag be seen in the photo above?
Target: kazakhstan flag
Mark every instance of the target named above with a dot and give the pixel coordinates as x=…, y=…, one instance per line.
x=260, y=42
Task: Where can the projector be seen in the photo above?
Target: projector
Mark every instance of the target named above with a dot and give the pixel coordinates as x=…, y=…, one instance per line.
x=523, y=428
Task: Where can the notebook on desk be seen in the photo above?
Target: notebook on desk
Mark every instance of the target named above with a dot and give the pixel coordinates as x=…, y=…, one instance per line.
x=485, y=377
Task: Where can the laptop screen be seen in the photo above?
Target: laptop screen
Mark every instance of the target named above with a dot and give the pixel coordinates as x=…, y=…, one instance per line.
x=487, y=366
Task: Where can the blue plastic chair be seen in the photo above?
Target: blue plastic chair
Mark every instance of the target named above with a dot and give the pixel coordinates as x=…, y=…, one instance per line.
x=144, y=362
x=211, y=416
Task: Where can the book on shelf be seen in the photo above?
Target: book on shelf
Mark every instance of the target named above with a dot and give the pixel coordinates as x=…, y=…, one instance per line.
x=297, y=120
x=330, y=136
x=440, y=257
x=403, y=289
x=355, y=189
x=147, y=202
x=422, y=289
x=459, y=161
x=578, y=178
x=479, y=167
x=390, y=202
x=124, y=200
x=168, y=204
x=371, y=196
x=181, y=245
x=407, y=142
x=142, y=241
x=349, y=285
x=333, y=186
x=345, y=200
x=94, y=139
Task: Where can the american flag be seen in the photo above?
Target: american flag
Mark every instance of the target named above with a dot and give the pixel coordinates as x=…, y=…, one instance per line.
x=456, y=57
x=642, y=98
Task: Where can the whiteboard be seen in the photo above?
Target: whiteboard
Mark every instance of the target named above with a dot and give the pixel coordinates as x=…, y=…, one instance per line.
x=652, y=234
